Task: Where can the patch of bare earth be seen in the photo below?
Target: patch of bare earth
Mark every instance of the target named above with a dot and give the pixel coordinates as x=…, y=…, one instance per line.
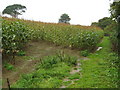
x=37, y=50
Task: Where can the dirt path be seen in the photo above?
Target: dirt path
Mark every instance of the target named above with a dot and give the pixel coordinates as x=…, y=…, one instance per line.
x=34, y=51
x=74, y=70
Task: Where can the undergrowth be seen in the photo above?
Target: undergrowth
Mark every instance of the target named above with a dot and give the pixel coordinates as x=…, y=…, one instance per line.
x=49, y=73
x=101, y=70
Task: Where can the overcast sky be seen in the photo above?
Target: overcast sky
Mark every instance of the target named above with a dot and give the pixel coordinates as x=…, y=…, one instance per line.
x=81, y=12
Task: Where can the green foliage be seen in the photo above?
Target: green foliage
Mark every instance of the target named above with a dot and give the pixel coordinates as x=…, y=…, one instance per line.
x=66, y=83
x=103, y=23
x=14, y=10
x=21, y=53
x=111, y=30
x=64, y=18
x=101, y=70
x=14, y=36
x=51, y=61
x=47, y=76
x=69, y=36
x=94, y=24
x=8, y=66
x=17, y=33
x=113, y=63
x=84, y=53
x=115, y=13
x=74, y=76
x=115, y=9
x=1, y=82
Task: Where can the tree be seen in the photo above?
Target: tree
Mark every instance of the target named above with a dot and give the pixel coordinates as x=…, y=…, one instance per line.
x=103, y=23
x=94, y=24
x=14, y=10
x=115, y=9
x=64, y=18
x=115, y=36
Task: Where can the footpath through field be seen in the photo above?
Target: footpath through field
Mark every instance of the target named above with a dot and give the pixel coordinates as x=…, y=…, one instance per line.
x=93, y=71
x=34, y=51
x=99, y=71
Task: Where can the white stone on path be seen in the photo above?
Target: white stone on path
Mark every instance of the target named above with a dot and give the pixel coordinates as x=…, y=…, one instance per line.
x=99, y=48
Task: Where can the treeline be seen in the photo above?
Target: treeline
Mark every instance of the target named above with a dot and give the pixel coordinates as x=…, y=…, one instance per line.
x=111, y=25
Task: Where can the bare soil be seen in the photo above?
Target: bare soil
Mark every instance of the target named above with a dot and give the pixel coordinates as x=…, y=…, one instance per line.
x=36, y=49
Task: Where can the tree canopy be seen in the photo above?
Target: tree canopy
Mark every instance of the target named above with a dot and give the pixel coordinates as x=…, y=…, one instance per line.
x=102, y=23
x=115, y=9
x=64, y=18
x=14, y=10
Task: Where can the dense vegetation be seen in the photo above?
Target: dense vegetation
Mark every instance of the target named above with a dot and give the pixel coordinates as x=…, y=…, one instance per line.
x=53, y=69
x=17, y=32
x=49, y=73
x=100, y=71
x=111, y=25
x=111, y=30
x=15, y=35
x=103, y=23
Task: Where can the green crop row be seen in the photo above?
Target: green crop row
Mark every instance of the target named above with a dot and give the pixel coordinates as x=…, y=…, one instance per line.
x=67, y=35
x=17, y=32
x=14, y=36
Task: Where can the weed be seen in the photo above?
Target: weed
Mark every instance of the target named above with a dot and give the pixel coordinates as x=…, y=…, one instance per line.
x=21, y=53
x=66, y=83
x=84, y=53
x=49, y=74
x=8, y=66
x=74, y=76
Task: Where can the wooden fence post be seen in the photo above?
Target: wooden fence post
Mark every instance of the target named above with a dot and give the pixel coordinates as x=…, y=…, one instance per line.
x=8, y=83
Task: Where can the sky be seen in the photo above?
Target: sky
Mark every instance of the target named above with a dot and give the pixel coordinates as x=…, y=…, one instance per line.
x=82, y=12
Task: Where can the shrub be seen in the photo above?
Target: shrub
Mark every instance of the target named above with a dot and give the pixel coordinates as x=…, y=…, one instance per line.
x=111, y=30
x=84, y=53
x=14, y=36
x=51, y=61
x=8, y=66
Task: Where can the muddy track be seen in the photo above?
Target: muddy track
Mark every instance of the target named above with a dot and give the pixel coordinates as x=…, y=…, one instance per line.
x=74, y=71
x=37, y=50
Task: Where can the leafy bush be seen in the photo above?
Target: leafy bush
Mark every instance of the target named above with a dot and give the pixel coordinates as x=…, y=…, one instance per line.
x=84, y=53
x=8, y=66
x=70, y=36
x=14, y=36
x=51, y=61
x=113, y=63
x=111, y=30
x=81, y=37
x=17, y=32
x=21, y=53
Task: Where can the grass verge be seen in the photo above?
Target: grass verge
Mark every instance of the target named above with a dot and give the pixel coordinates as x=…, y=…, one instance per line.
x=101, y=70
x=49, y=73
